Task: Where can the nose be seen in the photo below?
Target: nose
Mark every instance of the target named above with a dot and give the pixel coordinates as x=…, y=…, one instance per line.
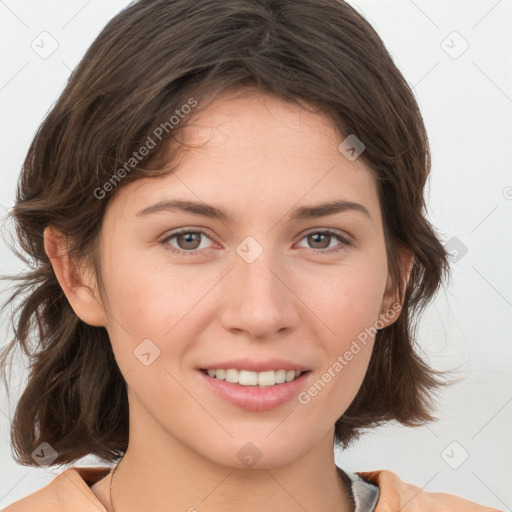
x=258, y=297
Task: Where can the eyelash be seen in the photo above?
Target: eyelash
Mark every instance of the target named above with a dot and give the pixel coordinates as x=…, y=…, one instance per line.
x=344, y=241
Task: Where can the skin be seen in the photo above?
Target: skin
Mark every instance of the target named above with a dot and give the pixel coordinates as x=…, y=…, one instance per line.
x=259, y=158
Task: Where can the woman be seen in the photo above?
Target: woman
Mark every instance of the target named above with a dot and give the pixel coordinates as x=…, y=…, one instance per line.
x=226, y=212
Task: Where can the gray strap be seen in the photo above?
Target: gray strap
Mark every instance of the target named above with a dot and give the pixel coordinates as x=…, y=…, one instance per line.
x=364, y=494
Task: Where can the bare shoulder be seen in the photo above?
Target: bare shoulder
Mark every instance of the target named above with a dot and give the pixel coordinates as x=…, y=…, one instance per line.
x=398, y=495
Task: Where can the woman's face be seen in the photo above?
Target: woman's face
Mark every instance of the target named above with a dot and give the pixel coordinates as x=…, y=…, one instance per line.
x=263, y=288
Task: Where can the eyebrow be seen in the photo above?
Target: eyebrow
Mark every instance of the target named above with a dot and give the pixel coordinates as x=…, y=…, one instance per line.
x=206, y=210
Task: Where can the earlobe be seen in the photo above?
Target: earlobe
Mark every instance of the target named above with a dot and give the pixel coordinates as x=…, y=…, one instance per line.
x=392, y=303
x=407, y=260
x=77, y=288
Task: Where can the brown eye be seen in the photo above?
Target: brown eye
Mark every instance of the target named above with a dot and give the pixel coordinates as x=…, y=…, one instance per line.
x=321, y=240
x=190, y=240
x=187, y=242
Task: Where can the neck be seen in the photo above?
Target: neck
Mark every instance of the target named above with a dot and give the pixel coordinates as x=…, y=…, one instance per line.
x=186, y=471
x=144, y=481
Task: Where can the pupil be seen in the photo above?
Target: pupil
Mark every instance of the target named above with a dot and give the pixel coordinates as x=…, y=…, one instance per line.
x=189, y=239
x=319, y=235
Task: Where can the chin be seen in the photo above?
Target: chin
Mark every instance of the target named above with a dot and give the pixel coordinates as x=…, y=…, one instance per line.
x=257, y=451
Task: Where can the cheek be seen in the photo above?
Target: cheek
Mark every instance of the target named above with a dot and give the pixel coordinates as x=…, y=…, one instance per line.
x=159, y=302
x=348, y=300
x=348, y=306
x=149, y=297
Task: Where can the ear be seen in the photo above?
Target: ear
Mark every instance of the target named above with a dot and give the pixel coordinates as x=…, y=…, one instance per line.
x=76, y=284
x=392, y=302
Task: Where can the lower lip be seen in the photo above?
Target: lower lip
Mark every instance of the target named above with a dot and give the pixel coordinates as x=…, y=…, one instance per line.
x=256, y=399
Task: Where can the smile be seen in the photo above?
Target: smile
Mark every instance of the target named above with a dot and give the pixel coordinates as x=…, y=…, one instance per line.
x=256, y=379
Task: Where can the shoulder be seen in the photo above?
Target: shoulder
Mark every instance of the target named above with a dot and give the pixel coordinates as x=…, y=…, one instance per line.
x=42, y=500
x=397, y=495
x=68, y=491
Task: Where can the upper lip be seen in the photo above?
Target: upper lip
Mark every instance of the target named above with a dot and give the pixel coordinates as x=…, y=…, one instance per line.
x=256, y=366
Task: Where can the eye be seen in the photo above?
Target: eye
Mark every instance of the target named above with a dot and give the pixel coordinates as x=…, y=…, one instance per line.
x=189, y=241
x=322, y=240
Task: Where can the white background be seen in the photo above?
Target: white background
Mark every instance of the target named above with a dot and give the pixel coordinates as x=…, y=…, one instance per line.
x=466, y=101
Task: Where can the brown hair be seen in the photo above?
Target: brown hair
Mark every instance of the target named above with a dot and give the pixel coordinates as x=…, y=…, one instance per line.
x=151, y=60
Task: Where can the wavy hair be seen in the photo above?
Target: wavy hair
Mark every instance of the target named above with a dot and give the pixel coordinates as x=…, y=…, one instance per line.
x=142, y=69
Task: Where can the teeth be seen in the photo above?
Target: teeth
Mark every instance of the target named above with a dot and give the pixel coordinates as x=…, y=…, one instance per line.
x=280, y=376
x=260, y=379
x=247, y=378
x=232, y=375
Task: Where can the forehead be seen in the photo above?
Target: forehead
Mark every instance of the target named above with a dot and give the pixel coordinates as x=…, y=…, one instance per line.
x=248, y=147
x=252, y=121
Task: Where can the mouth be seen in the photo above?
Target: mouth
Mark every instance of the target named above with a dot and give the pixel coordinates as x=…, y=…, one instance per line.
x=255, y=391
x=251, y=379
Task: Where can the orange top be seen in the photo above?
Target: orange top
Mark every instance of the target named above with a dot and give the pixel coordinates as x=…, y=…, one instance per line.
x=70, y=491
